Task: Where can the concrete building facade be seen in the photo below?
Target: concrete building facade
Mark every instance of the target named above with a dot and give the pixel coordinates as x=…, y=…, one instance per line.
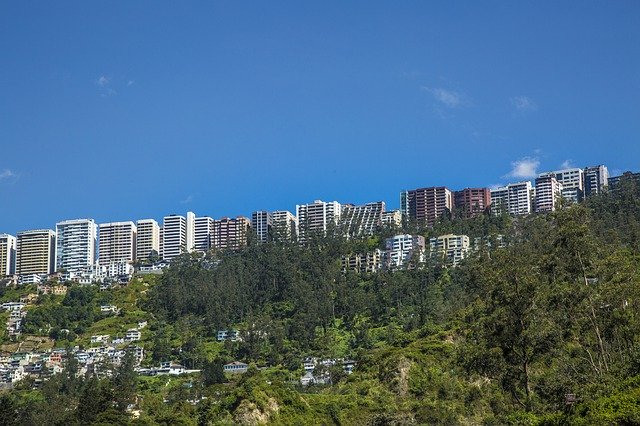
x=117, y=242
x=76, y=242
x=7, y=255
x=147, y=239
x=35, y=252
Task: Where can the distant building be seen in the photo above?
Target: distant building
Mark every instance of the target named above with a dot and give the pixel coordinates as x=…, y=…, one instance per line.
x=450, y=248
x=391, y=218
x=117, y=242
x=191, y=231
x=261, y=225
x=596, y=180
x=147, y=239
x=75, y=244
x=548, y=192
x=284, y=225
x=361, y=220
x=236, y=367
x=471, y=202
x=614, y=182
x=514, y=199
x=230, y=233
x=317, y=218
x=402, y=249
x=203, y=231
x=174, y=236
x=572, y=181
x=35, y=252
x=363, y=262
x=7, y=255
x=426, y=205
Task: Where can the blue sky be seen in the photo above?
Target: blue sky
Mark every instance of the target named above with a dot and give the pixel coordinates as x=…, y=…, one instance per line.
x=127, y=110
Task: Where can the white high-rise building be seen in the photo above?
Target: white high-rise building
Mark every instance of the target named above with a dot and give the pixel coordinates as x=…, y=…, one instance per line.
x=316, y=218
x=174, y=236
x=596, y=180
x=261, y=224
x=7, y=255
x=147, y=239
x=514, y=199
x=361, y=220
x=75, y=244
x=548, y=192
x=401, y=249
x=572, y=181
x=284, y=225
x=191, y=231
x=35, y=252
x=202, y=234
x=117, y=242
x=452, y=248
x=161, y=234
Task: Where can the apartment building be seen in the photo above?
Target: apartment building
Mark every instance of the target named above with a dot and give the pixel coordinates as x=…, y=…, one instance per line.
x=548, y=193
x=426, y=204
x=203, y=228
x=572, y=181
x=471, y=202
x=35, y=252
x=147, y=239
x=117, y=242
x=191, y=231
x=514, y=199
x=361, y=220
x=363, y=262
x=391, y=218
x=75, y=244
x=174, y=236
x=230, y=233
x=450, y=248
x=7, y=255
x=261, y=223
x=401, y=250
x=614, y=182
x=317, y=217
x=284, y=225
x=596, y=180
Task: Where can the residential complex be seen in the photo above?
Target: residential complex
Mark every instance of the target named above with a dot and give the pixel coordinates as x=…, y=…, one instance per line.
x=261, y=224
x=471, y=202
x=572, y=181
x=147, y=239
x=548, y=192
x=401, y=250
x=75, y=244
x=596, y=180
x=117, y=242
x=35, y=252
x=203, y=228
x=514, y=199
x=7, y=255
x=284, y=225
x=450, y=248
x=230, y=233
x=316, y=218
x=426, y=205
x=361, y=220
x=174, y=236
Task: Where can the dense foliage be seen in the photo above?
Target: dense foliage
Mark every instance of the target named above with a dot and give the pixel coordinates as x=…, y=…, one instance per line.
x=501, y=339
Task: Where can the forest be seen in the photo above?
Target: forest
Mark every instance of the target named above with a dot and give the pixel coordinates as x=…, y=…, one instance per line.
x=545, y=330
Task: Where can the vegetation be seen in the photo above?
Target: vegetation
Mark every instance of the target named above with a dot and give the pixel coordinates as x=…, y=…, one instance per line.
x=502, y=339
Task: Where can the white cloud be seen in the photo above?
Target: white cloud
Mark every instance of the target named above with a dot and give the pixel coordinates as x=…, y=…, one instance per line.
x=103, y=81
x=525, y=168
x=448, y=98
x=523, y=103
x=187, y=200
x=130, y=83
x=6, y=174
x=567, y=164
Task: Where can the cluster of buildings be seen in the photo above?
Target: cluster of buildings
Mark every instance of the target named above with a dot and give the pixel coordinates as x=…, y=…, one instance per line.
x=40, y=365
x=84, y=251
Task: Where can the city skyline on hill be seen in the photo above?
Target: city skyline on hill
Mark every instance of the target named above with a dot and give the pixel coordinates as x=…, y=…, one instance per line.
x=143, y=110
